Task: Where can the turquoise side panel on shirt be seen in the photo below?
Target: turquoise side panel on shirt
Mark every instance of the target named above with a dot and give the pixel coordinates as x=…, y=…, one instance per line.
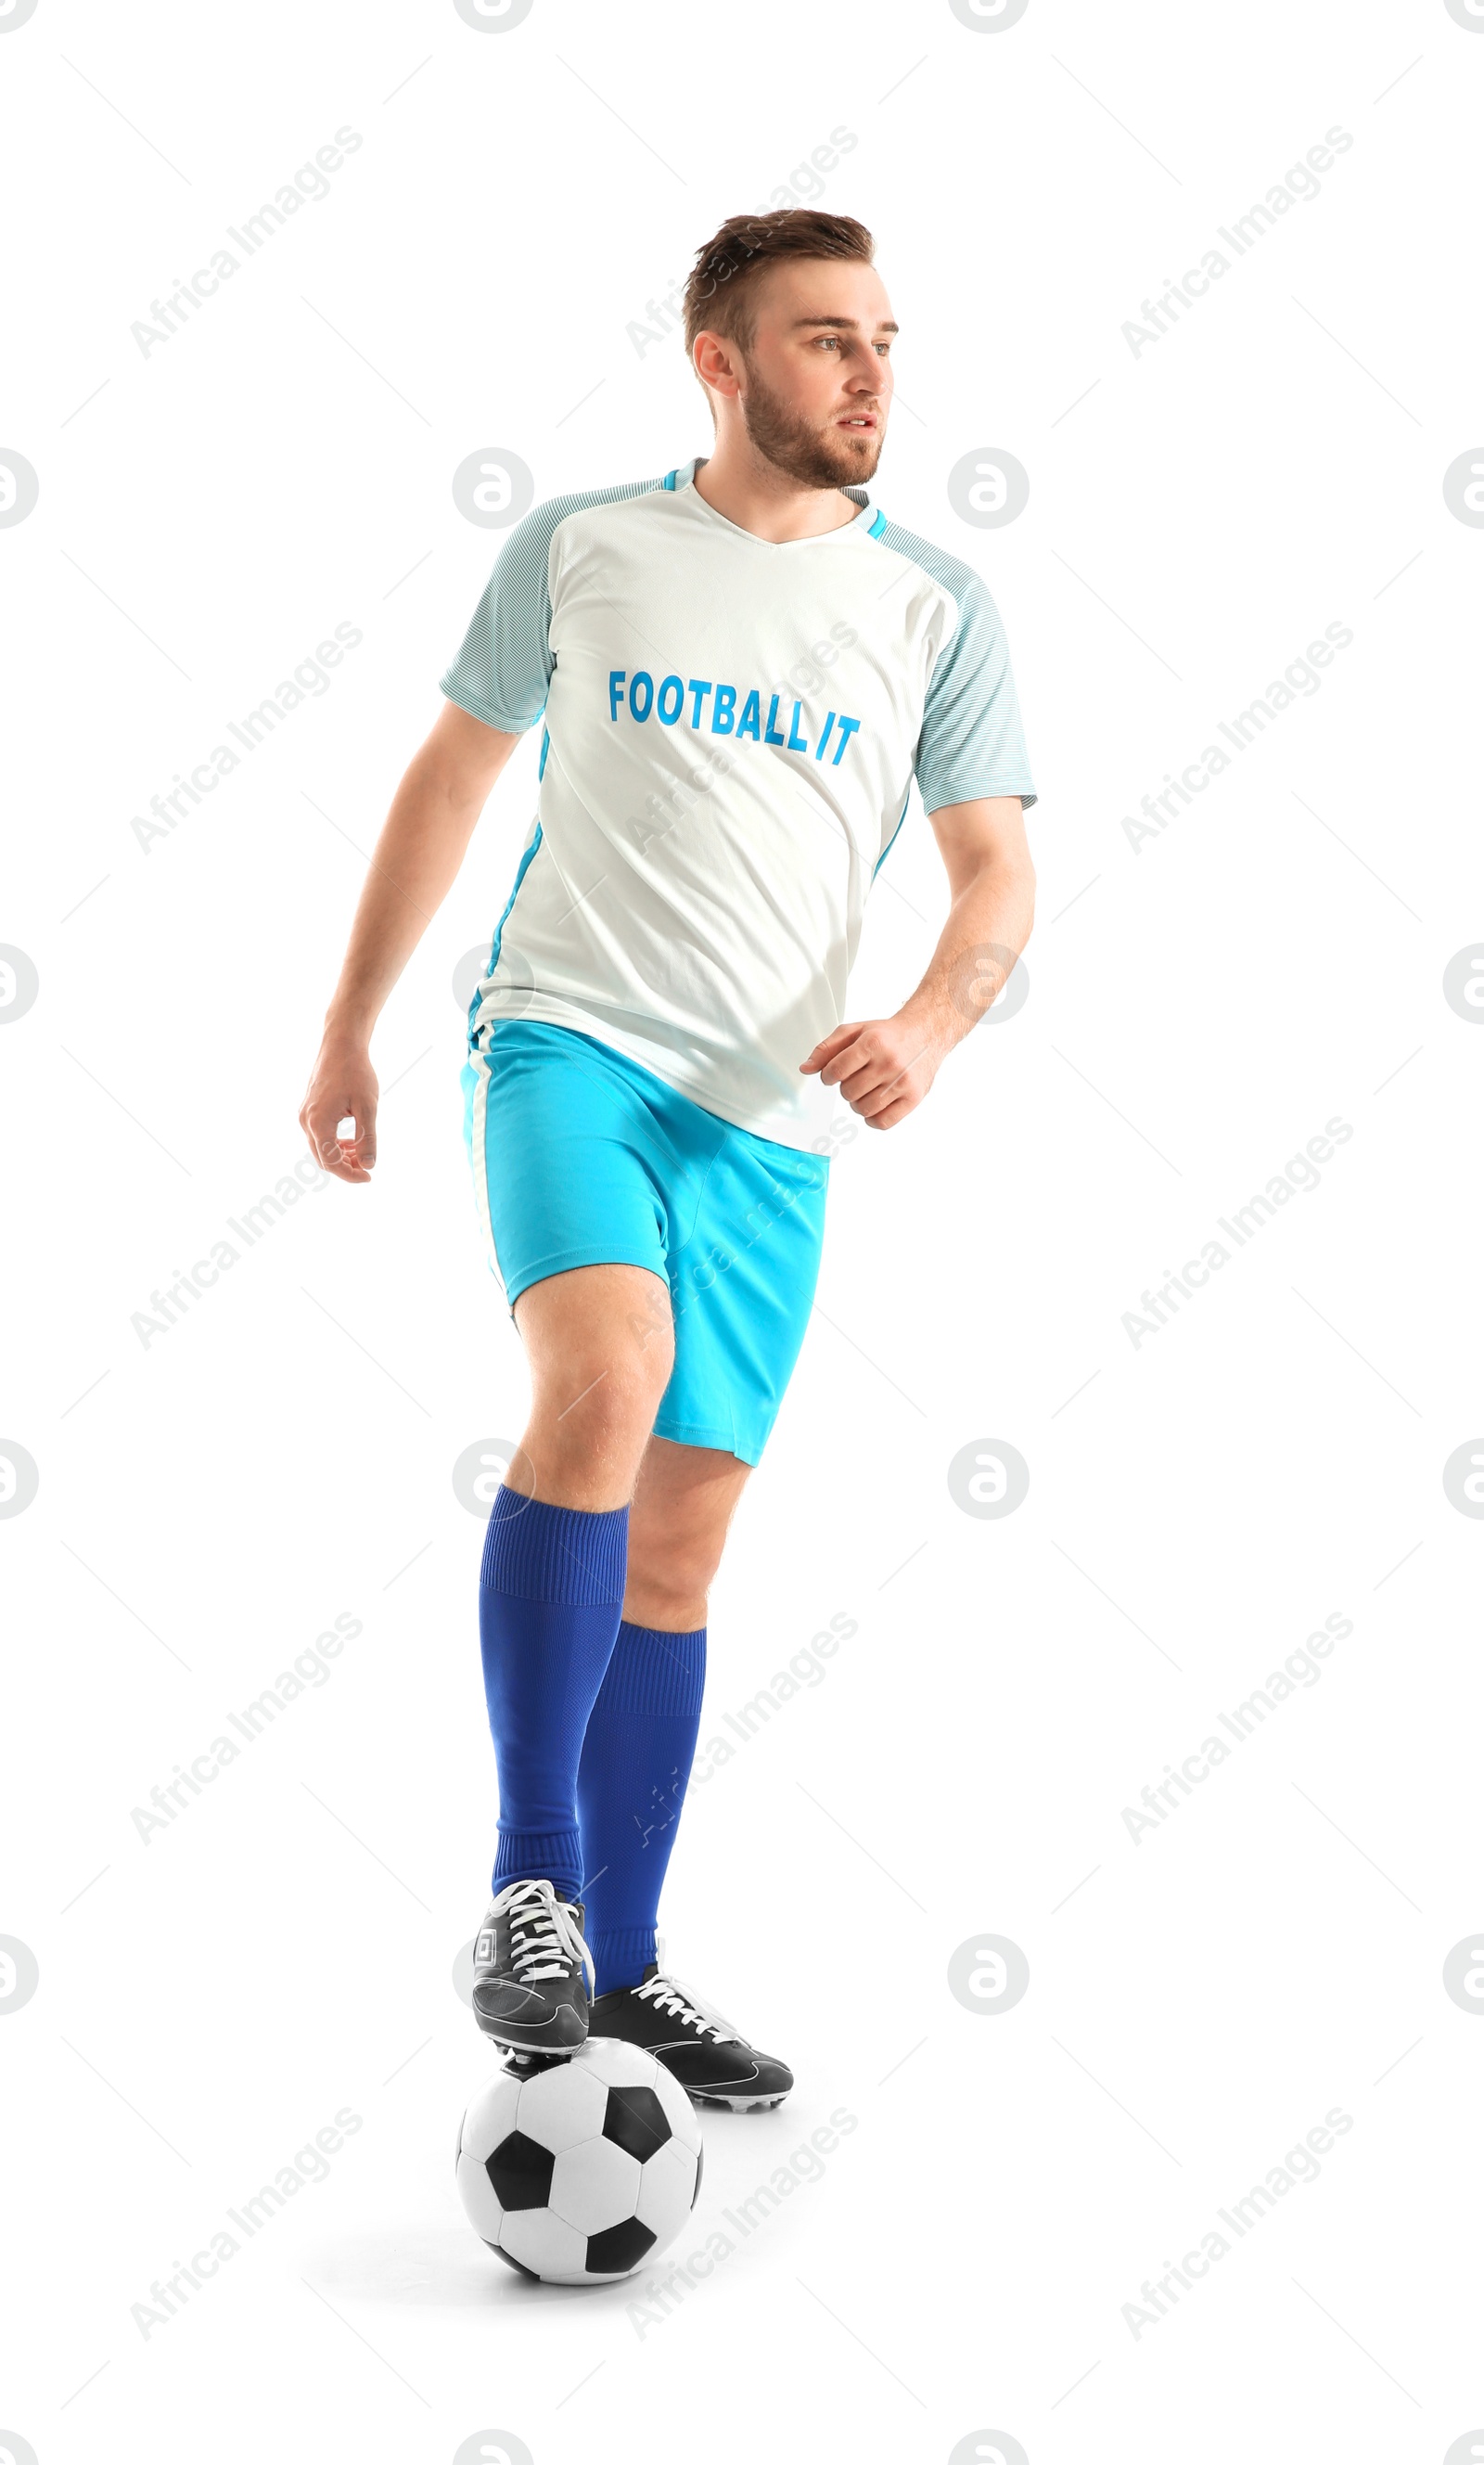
x=521, y=869
x=892, y=841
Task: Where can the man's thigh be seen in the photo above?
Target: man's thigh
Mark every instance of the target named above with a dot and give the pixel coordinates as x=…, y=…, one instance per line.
x=636, y=1233
x=607, y=1318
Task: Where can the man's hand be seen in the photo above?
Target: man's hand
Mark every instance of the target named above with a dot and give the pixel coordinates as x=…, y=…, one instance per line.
x=883, y=1067
x=343, y=1085
x=416, y=857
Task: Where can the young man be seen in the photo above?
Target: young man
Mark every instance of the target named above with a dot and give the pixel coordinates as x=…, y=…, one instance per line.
x=741, y=665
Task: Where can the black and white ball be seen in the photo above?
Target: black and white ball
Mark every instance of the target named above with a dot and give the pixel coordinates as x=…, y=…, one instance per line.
x=578, y=2173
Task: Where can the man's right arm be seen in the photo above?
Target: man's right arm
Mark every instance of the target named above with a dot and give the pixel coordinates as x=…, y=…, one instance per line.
x=421, y=847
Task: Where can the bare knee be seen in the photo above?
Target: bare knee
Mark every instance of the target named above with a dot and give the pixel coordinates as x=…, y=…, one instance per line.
x=670, y=1592
x=672, y=1561
x=601, y=1352
x=596, y=1405
x=683, y=1504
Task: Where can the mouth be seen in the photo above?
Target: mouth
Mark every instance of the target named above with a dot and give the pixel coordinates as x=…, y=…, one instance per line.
x=859, y=420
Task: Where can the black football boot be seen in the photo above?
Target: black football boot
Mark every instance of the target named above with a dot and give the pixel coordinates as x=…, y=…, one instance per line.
x=704, y=2052
x=533, y=1972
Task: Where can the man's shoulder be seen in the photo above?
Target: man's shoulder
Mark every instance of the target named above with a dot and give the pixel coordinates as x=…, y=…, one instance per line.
x=965, y=587
x=584, y=512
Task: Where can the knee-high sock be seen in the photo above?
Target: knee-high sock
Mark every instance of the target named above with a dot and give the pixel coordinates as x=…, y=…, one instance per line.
x=631, y=1784
x=551, y=1593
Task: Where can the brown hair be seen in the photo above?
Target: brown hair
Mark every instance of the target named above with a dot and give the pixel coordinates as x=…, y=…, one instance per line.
x=719, y=296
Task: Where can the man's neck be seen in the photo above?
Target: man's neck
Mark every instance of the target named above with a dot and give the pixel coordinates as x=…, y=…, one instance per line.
x=759, y=498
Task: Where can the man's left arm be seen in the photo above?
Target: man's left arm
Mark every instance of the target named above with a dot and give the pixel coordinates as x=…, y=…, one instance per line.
x=884, y=1066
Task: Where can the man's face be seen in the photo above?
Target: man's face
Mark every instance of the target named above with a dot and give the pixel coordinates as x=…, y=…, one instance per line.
x=816, y=383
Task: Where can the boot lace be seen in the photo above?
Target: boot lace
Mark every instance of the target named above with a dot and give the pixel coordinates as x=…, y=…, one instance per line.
x=544, y=1935
x=680, y=2003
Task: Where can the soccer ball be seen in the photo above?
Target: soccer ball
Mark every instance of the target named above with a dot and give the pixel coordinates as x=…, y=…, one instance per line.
x=578, y=2172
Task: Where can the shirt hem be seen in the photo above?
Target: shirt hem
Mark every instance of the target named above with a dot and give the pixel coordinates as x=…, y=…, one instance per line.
x=547, y=1010
x=486, y=711
x=1021, y=787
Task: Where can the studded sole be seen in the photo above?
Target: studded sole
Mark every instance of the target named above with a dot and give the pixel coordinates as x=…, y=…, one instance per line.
x=740, y=2104
x=516, y=2047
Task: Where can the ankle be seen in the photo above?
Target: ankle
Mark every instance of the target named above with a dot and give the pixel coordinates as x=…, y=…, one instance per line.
x=620, y=1956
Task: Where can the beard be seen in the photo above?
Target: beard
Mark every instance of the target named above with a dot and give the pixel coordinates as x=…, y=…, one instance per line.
x=817, y=457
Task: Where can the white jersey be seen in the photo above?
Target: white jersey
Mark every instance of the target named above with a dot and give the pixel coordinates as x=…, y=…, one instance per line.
x=732, y=727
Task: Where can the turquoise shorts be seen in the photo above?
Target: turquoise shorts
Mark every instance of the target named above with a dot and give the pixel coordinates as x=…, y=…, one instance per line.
x=581, y=1158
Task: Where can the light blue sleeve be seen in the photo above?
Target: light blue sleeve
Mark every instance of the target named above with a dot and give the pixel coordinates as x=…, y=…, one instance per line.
x=504, y=664
x=972, y=742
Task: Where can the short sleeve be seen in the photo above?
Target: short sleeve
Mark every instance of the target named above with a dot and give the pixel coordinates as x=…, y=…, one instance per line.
x=972, y=743
x=504, y=664
x=503, y=669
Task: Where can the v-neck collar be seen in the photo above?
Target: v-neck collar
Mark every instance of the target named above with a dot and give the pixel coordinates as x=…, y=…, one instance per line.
x=684, y=478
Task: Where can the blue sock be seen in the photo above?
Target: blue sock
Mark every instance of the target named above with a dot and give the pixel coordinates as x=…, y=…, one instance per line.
x=631, y=1784
x=551, y=1593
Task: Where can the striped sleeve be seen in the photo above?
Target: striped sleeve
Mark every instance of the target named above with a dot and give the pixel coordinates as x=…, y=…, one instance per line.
x=504, y=663
x=972, y=742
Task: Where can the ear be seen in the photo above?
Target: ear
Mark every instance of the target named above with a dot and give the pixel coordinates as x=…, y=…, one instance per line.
x=718, y=362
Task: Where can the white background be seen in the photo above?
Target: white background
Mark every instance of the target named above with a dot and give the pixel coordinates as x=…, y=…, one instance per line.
x=1197, y=1010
